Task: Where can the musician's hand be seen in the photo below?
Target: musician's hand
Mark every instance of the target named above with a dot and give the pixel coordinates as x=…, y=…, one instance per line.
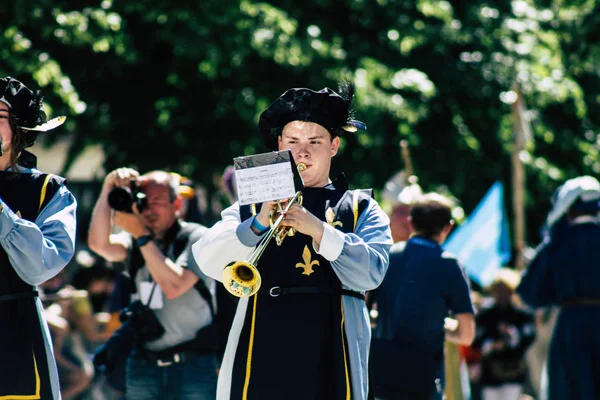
x=265, y=209
x=131, y=222
x=305, y=222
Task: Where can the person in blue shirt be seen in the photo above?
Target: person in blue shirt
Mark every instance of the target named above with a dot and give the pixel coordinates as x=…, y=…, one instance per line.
x=305, y=334
x=422, y=288
x=37, y=234
x=565, y=272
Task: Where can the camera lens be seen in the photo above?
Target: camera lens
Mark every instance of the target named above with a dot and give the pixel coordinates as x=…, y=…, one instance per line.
x=120, y=199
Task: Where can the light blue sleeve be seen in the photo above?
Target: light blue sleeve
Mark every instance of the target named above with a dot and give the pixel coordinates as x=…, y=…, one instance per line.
x=364, y=256
x=38, y=251
x=246, y=235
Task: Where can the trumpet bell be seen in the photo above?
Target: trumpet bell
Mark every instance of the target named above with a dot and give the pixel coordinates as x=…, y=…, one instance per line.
x=241, y=279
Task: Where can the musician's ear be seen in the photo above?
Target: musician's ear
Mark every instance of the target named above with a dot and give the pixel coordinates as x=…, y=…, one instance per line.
x=335, y=144
x=279, y=143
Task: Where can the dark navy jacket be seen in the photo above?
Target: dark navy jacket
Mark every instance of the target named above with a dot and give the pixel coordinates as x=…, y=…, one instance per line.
x=423, y=285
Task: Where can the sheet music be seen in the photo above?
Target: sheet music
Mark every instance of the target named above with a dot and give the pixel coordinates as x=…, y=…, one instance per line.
x=265, y=183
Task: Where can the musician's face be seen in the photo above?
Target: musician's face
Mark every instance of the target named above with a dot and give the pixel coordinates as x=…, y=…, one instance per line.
x=5, y=130
x=310, y=144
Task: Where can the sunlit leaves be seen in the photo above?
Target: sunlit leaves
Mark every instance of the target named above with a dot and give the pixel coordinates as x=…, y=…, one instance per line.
x=402, y=93
x=194, y=77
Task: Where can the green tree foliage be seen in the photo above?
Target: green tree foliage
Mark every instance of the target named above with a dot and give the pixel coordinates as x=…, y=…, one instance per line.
x=180, y=84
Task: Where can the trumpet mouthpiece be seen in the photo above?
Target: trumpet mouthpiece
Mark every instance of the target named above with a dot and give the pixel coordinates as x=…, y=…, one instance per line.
x=301, y=167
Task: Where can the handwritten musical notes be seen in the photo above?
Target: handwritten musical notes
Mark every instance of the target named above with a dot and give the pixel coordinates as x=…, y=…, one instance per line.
x=265, y=183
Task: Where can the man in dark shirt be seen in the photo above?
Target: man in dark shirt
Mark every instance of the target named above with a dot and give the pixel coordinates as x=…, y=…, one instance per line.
x=423, y=287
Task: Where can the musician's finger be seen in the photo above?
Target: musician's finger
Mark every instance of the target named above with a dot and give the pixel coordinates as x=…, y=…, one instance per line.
x=291, y=223
x=288, y=217
x=290, y=214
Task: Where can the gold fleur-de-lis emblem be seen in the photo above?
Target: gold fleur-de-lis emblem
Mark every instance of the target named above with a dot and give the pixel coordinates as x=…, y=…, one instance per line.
x=329, y=218
x=19, y=214
x=308, y=263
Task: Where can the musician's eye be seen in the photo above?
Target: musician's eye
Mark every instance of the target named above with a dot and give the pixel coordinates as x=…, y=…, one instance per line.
x=315, y=142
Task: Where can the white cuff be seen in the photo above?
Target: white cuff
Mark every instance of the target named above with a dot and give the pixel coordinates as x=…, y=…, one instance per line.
x=332, y=243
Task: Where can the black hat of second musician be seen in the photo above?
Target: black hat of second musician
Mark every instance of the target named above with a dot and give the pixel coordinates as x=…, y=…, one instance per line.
x=324, y=107
x=27, y=109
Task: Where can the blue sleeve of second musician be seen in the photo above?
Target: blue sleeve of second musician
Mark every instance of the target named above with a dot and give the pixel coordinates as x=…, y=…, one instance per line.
x=364, y=258
x=38, y=251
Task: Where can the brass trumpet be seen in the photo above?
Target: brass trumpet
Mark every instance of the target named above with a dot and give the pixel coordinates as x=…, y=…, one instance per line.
x=241, y=278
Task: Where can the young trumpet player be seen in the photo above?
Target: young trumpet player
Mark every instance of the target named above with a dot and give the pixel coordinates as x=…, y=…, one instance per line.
x=305, y=334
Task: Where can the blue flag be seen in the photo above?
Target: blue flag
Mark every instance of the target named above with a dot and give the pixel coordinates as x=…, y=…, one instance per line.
x=482, y=243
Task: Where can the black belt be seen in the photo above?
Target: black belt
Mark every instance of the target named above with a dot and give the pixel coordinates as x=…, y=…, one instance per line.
x=164, y=358
x=17, y=296
x=277, y=291
x=581, y=302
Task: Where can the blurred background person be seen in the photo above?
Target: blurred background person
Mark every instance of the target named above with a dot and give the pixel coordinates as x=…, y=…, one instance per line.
x=62, y=306
x=172, y=317
x=564, y=272
x=190, y=210
x=537, y=355
x=504, y=333
x=93, y=323
x=400, y=192
x=422, y=287
x=75, y=312
x=225, y=194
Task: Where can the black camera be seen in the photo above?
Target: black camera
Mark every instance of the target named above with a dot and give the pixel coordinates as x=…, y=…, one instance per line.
x=144, y=322
x=140, y=325
x=123, y=198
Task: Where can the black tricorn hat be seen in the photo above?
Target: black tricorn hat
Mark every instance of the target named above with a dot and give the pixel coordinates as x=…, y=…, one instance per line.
x=324, y=107
x=27, y=108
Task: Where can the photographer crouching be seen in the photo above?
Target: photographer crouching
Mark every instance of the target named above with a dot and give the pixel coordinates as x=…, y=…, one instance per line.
x=168, y=330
